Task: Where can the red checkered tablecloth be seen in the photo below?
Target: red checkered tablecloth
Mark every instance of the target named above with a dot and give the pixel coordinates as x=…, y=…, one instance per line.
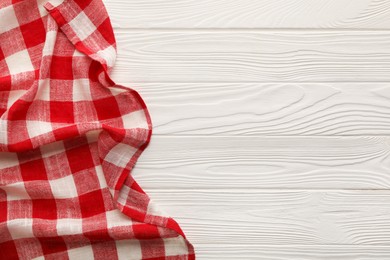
x=69, y=137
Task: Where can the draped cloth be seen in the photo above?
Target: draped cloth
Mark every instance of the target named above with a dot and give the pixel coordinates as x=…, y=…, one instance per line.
x=69, y=138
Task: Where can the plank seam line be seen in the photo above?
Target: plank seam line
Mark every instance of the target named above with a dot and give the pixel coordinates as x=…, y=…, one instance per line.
x=245, y=189
x=299, y=245
x=214, y=29
x=264, y=136
x=244, y=82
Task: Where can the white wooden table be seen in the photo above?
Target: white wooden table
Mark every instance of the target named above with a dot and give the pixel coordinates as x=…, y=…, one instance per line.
x=271, y=122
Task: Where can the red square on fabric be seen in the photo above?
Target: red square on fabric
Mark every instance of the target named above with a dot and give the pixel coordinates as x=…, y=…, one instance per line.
x=44, y=208
x=29, y=155
x=33, y=33
x=5, y=84
x=83, y=4
x=1, y=55
x=8, y=250
x=143, y=231
x=18, y=111
x=107, y=108
x=91, y=204
x=3, y=210
x=61, y=112
x=95, y=68
x=106, y=31
x=62, y=133
x=33, y=170
x=80, y=158
x=61, y=68
x=52, y=245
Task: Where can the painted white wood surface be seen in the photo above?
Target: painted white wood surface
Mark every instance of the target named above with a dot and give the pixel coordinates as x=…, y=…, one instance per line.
x=268, y=109
x=237, y=162
x=252, y=56
x=279, y=217
x=292, y=252
x=250, y=13
x=271, y=122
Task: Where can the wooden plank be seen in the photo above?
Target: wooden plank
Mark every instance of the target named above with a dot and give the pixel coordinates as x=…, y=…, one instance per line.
x=279, y=217
x=294, y=252
x=268, y=109
x=227, y=162
x=236, y=56
x=249, y=13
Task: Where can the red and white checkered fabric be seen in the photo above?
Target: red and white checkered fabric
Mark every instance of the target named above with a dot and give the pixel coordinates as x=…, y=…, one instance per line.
x=69, y=137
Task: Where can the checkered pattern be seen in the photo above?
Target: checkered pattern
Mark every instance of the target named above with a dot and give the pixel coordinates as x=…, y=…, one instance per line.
x=69, y=137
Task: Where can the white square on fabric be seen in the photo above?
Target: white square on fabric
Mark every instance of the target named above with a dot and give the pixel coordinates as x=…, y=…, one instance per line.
x=123, y=195
x=36, y=128
x=115, y=218
x=109, y=55
x=100, y=176
x=175, y=246
x=117, y=91
x=19, y=62
x=120, y=154
x=69, y=226
x=129, y=249
x=64, y=187
x=81, y=90
x=154, y=210
x=50, y=41
x=20, y=228
x=82, y=25
x=84, y=252
x=16, y=191
x=14, y=95
x=3, y=131
x=43, y=92
x=8, y=160
x=51, y=149
x=135, y=119
x=8, y=19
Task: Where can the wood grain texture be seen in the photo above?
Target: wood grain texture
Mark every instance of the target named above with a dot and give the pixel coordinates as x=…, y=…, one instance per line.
x=279, y=217
x=227, y=162
x=249, y=13
x=268, y=109
x=292, y=252
x=239, y=56
x=271, y=127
